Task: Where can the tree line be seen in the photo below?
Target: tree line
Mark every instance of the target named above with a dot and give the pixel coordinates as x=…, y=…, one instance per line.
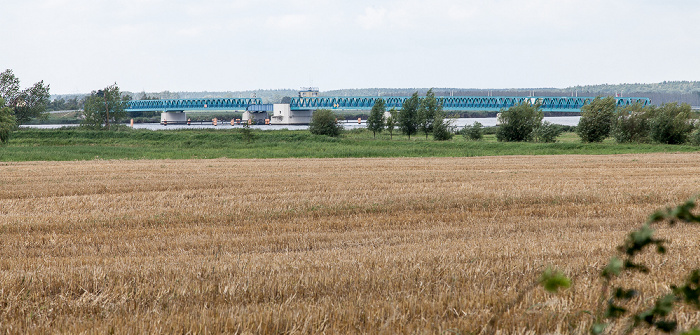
x=101, y=109
x=418, y=114
x=670, y=123
x=25, y=104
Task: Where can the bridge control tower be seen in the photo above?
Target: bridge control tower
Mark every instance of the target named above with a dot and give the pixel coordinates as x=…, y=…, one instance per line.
x=308, y=92
x=282, y=114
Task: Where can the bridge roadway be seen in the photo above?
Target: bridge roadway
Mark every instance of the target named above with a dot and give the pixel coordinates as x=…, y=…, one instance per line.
x=179, y=105
x=449, y=103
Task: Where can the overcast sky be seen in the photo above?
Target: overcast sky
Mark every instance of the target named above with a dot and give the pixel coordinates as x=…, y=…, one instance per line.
x=77, y=46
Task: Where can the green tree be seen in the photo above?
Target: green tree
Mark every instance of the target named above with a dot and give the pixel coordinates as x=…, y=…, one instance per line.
x=596, y=120
x=26, y=104
x=631, y=124
x=323, y=122
x=695, y=137
x=408, y=117
x=518, y=123
x=9, y=87
x=442, y=127
x=32, y=103
x=7, y=121
x=104, y=107
x=671, y=123
x=390, y=122
x=474, y=132
x=375, y=121
x=427, y=112
x=547, y=132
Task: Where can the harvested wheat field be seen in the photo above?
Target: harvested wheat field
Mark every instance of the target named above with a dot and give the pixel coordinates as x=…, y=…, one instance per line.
x=419, y=245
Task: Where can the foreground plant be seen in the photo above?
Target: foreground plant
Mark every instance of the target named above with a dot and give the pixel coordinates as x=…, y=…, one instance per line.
x=613, y=306
x=7, y=122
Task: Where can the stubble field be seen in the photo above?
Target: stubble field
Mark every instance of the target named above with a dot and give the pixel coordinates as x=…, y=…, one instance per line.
x=406, y=245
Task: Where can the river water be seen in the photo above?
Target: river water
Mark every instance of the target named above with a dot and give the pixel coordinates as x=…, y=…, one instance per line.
x=459, y=123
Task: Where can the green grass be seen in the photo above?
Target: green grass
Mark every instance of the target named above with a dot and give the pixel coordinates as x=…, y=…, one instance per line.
x=79, y=144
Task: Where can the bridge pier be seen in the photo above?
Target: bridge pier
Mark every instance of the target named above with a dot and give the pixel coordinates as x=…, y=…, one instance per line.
x=173, y=117
x=256, y=117
x=283, y=115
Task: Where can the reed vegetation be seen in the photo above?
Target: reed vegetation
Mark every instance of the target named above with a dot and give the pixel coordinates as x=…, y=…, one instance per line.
x=78, y=144
x=384, y=245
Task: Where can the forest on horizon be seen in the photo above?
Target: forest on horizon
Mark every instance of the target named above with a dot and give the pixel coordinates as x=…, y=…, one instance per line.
x=659, y=93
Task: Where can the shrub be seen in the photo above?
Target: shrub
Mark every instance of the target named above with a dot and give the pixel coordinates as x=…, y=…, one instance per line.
x=474, y=132
x=596, y=120
x=442, y=129
x=323, y=123
x=671, y=123
x=548, y=132
x=631, y=124
x=695, y=137
x=247, y=133
x=7, y=122
x=518, y=123
x=491, y=130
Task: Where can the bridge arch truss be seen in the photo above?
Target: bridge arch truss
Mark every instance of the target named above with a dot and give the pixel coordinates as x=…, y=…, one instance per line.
x=174, y=105
x=459, y=103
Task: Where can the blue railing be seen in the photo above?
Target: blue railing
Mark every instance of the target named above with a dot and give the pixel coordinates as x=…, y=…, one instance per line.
x=450, y=103
x=459, y=103
x=173, y=105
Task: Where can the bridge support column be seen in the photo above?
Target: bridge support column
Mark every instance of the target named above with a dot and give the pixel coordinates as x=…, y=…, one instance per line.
x=173, y=117
x=283, y=115
x=256, y=117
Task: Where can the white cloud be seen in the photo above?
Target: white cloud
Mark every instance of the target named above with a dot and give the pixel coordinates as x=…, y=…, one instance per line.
x=187, y=45
x=372, y=18
x=288, y=22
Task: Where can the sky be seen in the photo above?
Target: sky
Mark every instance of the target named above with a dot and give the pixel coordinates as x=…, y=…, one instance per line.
x=77, y=46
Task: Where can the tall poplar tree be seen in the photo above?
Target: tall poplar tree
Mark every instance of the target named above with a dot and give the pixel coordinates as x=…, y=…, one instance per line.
x=375, y=122
x=427, y=112
x=391, y=122
x=408, y=117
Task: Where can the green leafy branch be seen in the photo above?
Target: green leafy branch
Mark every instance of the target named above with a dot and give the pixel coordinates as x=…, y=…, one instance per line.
x=612, y=305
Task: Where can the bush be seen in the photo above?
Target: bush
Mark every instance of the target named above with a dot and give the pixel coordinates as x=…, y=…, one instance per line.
x=631, y=124
x=518, y=123
x=442, y=129
x=567, y=129
x=695, y=137
x=491, y=130
x=548, y=132
x=596, y=119
x=473, y=132
x=7, y=122
x=323, y=122
x=671, y=123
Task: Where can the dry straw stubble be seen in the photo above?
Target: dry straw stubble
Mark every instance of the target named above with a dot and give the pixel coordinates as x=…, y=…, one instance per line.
x=325, y=245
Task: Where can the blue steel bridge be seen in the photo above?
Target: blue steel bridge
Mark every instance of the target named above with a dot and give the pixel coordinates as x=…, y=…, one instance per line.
x=458, y=103
x=449, y=103
x=179, y=105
